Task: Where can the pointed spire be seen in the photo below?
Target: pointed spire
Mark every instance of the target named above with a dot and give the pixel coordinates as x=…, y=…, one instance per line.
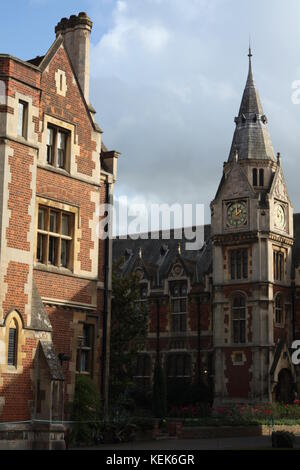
x=251, y=138
x=250, y=101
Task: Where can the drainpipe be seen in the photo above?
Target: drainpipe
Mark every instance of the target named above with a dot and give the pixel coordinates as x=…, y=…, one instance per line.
x=199, y=341
x=157, y=332
x=106, y=309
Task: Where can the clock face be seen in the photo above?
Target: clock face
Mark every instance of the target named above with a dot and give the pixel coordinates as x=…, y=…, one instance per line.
x=237, y=214
x=279, y=216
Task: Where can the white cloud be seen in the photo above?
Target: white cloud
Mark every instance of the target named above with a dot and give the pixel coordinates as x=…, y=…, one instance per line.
x=167, y=80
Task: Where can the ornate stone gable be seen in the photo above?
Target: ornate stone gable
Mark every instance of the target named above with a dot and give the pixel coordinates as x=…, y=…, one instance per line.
x=279, y=188
x=236, y=184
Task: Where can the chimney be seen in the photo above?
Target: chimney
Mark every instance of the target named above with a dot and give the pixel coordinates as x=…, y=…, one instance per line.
x=76, y=32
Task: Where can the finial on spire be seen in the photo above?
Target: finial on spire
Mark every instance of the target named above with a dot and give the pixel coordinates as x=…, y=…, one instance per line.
x=250, y=51
x=278, y=158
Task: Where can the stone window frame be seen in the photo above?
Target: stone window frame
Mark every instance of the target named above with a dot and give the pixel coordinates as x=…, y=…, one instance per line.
x=72, y=144
x=90, y=349
x=5, y=368
x=76, y=235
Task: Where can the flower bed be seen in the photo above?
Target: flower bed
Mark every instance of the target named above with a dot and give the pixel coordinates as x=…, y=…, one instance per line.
x=268, y=414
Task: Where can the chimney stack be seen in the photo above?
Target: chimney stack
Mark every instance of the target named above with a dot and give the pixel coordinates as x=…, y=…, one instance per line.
x=76, y=32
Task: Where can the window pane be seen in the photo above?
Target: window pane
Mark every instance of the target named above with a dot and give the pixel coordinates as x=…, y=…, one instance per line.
x=40, y=247
x=84, y=361
x=53, y=222
x=64, y=253
x=232, y=264
x=245, y=264
x=261, y=177
x=49, y=136
x=12, y=347
x=238, y=264
x=242, y=331
x=61, y=145
x=41, y=219
x=50, y=146
x=175, y=306
x=254, y=172
x=65, y=224
x=21, y=119
x=52, y=250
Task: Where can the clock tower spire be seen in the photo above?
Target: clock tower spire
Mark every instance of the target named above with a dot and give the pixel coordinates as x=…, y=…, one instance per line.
x=252, y=236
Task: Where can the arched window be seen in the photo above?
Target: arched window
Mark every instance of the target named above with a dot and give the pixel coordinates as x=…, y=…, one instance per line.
x=278, y=309
x=12, y=351
x=239, y=319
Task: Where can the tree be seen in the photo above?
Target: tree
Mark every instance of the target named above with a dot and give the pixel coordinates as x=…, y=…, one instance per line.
x=128, y=330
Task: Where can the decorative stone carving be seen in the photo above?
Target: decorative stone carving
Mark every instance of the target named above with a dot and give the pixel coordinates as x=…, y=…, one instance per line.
x=280, y=190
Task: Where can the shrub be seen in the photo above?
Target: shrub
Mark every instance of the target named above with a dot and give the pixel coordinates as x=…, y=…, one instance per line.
x=85, y=411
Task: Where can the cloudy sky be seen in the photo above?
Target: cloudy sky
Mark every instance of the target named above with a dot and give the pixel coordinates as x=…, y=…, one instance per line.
x=167, y=78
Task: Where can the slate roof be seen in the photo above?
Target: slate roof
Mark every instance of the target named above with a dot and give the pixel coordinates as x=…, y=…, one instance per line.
x=159, y=254
x=52, y=361
x=251, y=138
x=39, y=317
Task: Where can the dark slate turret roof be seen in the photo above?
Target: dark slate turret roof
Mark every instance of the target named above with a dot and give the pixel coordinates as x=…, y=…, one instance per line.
x=251, y=138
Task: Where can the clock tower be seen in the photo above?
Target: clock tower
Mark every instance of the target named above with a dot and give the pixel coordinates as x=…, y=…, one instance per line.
x=252, y=237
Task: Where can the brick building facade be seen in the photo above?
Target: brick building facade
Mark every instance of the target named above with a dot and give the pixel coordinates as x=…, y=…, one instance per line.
x=228, y=313
x=55, y=271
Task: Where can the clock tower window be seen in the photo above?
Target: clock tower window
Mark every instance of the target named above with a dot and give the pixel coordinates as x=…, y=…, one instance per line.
x=239, y=264
x=261, y=177
x=239, y=319
x=278, y=265
x=254, y=176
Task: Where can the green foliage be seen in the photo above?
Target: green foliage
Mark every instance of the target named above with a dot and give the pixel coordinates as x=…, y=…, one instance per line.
x=128, y=331
x=159, y=392
x=85, y=410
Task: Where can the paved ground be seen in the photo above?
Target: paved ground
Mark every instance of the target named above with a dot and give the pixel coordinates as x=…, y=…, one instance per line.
x=237, y=443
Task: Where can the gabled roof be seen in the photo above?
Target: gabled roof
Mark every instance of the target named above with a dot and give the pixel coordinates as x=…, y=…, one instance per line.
x=251, y=138
x=234, y=182
x=42, y=63
x=159, y=254
x=48, y=351
x=39, y=317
